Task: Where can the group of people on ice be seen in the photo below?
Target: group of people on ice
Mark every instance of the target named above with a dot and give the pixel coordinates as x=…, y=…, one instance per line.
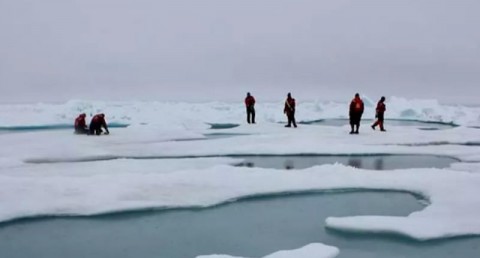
x=355, y=112
x=288, y=110
x=96, y=124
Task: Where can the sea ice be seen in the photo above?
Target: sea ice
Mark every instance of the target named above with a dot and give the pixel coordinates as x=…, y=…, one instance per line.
x=194, y=115
x=144, y=166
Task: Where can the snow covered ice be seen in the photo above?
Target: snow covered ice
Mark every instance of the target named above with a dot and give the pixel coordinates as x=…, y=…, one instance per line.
x=159, y=162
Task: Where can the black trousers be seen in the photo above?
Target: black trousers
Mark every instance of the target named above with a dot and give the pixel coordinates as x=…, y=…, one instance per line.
x=291, y=118
x=355, y=120
x=95, y=129
x=251, y=115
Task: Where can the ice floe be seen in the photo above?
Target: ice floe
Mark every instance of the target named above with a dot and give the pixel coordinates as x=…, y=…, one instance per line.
x=453, y=209
x=314, y=250
x=161, y=164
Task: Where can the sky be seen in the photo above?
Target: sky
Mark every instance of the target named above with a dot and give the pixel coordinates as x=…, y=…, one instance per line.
x=217, y=50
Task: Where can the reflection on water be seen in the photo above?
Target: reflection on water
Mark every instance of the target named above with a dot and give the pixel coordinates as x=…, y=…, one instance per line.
x=378, y=162
x=355, y=162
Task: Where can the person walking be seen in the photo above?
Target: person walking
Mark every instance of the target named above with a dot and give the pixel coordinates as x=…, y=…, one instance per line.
x=355, y=113
x=250, y=105
x=379, y=114
x=289, y=110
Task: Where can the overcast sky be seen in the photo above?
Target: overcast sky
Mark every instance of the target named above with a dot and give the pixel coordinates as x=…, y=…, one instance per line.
x=56, y=50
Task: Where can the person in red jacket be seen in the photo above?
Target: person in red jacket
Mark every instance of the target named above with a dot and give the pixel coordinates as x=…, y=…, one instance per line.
x=289, y=110
x=250, y=105
x=380, y=110
x=355, y=113
x=98, y=121
x=80, y=124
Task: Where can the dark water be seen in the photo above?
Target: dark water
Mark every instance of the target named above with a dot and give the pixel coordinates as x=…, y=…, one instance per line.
x=251, y=228
x=374, y=162
x=222, y=126
x=472, y=144
x=424, y=125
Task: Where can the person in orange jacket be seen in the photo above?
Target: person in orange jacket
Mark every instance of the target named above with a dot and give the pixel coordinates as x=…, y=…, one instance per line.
x=98, y=121
x=355, y=113
x=80, y=124
x=289, y=110
x=379, y=114
x=250, y=105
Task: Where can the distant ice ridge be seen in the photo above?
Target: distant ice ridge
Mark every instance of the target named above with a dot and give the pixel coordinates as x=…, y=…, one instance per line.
x=315, y=250
x=197, y=114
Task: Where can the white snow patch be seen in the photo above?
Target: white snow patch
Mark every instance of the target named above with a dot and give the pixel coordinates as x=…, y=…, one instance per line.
x=314, y=250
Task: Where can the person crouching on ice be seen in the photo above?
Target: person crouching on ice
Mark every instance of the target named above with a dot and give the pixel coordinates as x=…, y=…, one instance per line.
x=81, y=125
x=356, y=111
x=289, y=110
x=250, y=105
x=379, y=114
x=98, y=121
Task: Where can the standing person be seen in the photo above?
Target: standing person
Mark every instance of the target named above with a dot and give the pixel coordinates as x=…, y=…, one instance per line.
x=98, y=121
x=356, y=111
x=80, y=124
x=380, y=110
x=289, y=110
x=250, y=105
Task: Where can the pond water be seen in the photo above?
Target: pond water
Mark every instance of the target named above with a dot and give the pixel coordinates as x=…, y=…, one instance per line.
x=372, y=162
x=423, y=125
x=217, y=126
x=252, y=227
